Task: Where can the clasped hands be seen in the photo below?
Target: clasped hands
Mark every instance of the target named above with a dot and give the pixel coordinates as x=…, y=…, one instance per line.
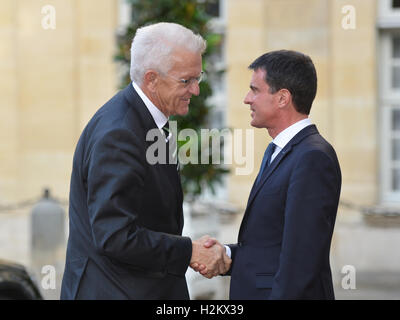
x=209, y=257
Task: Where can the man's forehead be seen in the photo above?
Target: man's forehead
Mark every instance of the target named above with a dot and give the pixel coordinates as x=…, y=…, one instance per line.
x=185, y=57
x=259, y=72
x=258, y=76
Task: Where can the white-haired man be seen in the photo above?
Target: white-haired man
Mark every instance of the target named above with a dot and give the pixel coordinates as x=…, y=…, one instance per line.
x=125, y=212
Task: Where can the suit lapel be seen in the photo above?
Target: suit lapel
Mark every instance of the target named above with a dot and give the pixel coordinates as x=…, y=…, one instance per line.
x=146, y=119
x=312, y=129
x=268, y=171
x=148, y=123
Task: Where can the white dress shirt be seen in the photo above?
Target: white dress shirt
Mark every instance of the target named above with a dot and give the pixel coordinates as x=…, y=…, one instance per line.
x=283, y=138
x=159, y=118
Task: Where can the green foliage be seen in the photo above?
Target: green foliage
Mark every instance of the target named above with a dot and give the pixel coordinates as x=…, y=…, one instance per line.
x=191, y=14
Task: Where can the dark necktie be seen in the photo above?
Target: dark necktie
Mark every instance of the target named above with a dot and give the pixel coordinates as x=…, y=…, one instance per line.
x=266, y=160
x=171, y=145
x=166, y=130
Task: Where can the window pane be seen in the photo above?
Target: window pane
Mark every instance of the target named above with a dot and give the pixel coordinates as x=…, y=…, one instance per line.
x=396, y=4
x=396, y=47
x=396, y=149
x=396, y=120
x=212, y=8
x=396, y=77
x=396, y=180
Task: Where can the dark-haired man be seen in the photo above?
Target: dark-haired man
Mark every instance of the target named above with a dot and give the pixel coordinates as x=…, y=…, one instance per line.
x=285, y=236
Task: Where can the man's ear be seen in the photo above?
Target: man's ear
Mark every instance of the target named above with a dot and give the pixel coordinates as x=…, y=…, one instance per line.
x=150, y=80
x=285, y=98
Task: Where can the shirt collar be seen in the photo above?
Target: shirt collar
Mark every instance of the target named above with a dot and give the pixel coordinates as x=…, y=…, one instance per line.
x=282, y=139
x=159, y=118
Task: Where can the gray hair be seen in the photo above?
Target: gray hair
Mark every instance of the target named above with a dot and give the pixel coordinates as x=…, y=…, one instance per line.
x=152, y=47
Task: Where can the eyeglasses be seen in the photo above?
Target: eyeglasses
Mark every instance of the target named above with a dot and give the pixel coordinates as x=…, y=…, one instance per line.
x=190, y=81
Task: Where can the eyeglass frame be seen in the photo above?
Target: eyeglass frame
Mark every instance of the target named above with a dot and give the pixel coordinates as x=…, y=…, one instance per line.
x=187, y=82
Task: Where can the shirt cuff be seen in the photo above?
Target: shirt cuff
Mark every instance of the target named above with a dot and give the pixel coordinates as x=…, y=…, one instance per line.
x=228, y=251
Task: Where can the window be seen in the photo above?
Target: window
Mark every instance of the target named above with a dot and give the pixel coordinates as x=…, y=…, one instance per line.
x=124, y=15
x=217, y=116
x=390, y=115
x=213, y=8
x=395, y=150
x=389, y=14
x=395, y=63
x=216, y=8
x=389, y=100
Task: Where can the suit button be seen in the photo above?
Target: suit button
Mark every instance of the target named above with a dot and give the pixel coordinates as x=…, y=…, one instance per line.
x=240, y=244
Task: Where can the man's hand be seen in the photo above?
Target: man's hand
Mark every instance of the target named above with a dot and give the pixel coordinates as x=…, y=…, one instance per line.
x=209, y=257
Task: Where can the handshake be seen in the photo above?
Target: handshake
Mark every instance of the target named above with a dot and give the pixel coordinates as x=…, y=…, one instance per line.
x=209, y=257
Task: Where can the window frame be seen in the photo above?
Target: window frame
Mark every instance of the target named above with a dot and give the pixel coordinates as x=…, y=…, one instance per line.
x=389, y=100
x=388, y=17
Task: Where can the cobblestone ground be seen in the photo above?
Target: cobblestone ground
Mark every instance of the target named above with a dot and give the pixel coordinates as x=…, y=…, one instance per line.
x=372, y=285
x=14, y=237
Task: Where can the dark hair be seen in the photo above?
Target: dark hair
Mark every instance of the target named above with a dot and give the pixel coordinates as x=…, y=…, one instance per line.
x=293, y=71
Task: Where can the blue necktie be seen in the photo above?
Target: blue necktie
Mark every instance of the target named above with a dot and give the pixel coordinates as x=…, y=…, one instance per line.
x=266, y=160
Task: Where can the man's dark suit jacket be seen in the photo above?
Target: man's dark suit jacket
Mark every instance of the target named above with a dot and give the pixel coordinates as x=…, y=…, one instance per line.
x=125, y=214
x=285, y=236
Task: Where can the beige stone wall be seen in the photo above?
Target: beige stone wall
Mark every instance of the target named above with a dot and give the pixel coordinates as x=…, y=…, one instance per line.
x=245, y=41
x=52, y=81
x=354, y=96
x=345, y=107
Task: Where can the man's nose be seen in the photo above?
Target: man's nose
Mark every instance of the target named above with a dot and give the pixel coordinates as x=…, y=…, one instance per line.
x=194, y=88
x=247, y=99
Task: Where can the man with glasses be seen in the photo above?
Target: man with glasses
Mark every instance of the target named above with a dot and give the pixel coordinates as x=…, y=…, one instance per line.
x=125, y=213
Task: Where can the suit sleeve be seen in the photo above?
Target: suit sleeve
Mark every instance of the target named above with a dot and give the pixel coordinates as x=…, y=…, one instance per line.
x=233, y=248
x=310, y=212
x=116, y=171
